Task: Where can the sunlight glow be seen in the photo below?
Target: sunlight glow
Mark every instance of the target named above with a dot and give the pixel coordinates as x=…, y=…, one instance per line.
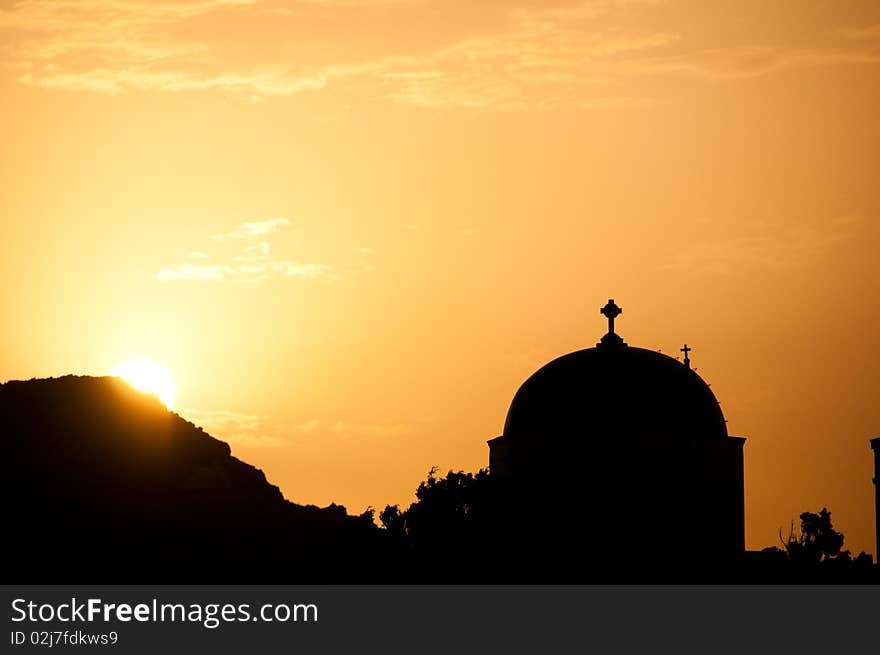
x=148, y=376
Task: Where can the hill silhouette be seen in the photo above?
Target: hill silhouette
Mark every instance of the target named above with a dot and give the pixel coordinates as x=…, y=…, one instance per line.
x=103, y=484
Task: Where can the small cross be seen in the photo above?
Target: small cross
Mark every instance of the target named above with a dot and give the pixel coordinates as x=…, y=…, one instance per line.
x=686, y=350
x=611, y=311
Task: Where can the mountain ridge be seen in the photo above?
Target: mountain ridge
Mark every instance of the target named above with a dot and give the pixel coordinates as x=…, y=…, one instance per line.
x=138, y=491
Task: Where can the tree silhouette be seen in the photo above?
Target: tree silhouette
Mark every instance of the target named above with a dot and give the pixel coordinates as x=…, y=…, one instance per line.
x=816, y=541
x=394, y=521
x=452, y=523
x=814, y=553
x=457, y=530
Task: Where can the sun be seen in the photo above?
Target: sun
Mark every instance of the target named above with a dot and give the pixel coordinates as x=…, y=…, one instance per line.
x=146, y=375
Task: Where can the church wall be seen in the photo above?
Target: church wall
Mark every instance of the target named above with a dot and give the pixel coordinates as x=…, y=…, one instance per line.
x=657, y=498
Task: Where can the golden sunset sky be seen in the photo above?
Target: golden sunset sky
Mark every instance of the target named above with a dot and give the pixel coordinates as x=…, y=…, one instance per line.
x=350, y=229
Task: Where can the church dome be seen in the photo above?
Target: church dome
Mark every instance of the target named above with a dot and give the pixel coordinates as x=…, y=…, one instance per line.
x=616, y=390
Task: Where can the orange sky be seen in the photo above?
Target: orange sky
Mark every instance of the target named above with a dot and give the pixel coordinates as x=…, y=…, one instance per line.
x=350, y=229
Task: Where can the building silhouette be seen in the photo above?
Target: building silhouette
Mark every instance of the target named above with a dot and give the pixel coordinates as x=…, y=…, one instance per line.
x=875, y=446
x=617, y=462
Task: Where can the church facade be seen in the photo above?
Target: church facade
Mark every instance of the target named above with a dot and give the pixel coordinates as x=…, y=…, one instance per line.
x=618, y=457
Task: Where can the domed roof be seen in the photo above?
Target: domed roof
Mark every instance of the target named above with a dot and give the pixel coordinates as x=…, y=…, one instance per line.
x=616, y=390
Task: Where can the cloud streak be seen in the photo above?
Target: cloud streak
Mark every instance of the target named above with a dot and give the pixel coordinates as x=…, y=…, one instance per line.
x=252, y=263
x=190, y=272
x=234, y=427
x=251, y=430
x=764, y=247
x=254, y=229
x=346, y=429
x=370, y=430
x=583, y=54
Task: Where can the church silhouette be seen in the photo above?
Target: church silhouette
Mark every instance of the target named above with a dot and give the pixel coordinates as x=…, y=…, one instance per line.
x=617, y=464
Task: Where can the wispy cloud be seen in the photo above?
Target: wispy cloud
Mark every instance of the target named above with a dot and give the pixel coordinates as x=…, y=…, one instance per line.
x=247, y=272
x=370, y=430
x=252, y=263
x=363, y=3
x=309, y=426
x=310, y=271
x=259, y=252
x=867, y=32
x=114, y=46
x=262, y=82
x=745, y=61
x=253, y=229
x=254, y=431
x=615, y=102
x=190, y=272
x=762, y=247
x=234, y=427
x=344, y=428
x=542, y=57
x=586, y=54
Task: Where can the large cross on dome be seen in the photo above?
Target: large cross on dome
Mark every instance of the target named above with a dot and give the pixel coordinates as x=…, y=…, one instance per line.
x=611, y=311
